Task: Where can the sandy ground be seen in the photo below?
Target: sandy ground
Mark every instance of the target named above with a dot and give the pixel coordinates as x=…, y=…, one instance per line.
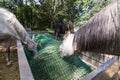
x=8, y=72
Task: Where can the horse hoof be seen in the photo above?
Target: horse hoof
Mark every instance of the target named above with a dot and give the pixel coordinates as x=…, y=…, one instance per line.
x=9, y=63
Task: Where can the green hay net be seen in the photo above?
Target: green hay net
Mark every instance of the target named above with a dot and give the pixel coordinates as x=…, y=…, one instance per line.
x=48, y=65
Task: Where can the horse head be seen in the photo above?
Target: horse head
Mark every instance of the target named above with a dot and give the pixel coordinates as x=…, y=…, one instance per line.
x=31, y=46
x=25, y=38
x=66, y=48
x=23, y=35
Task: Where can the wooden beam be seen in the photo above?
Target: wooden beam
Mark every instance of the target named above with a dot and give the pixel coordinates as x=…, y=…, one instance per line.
x=24, y=68
x=101, y=68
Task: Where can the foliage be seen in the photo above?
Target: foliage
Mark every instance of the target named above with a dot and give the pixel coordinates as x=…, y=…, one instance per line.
x=41, y=14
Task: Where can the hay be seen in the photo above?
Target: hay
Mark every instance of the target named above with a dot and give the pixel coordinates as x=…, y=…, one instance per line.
x=48, y=65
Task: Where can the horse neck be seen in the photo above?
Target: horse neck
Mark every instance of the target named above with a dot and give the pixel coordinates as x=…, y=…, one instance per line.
x=23, y=35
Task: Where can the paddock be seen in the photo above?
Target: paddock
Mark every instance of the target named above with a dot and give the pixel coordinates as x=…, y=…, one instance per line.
x=102, y=30
x=103, y=66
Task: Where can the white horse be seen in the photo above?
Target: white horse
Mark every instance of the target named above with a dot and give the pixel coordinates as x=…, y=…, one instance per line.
x=10, y=27
x=100, y=34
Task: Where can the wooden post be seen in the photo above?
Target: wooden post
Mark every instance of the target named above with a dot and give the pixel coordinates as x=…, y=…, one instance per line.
x=24, y=69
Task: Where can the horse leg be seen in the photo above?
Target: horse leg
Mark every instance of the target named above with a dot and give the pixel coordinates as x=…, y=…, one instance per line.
x=58, y=34
x=55, y=34
x=8, y=52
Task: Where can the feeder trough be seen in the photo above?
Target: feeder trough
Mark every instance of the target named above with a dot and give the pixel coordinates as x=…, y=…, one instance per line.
x=97, y=64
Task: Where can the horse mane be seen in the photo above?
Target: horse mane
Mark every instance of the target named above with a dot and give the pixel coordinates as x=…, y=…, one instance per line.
x=101, y=33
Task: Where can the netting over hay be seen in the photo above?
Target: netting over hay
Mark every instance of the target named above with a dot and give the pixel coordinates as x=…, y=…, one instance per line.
x=48, y=65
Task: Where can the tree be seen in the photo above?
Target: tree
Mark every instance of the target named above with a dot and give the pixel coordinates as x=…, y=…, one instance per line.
x=43, y=14
x=89, y=7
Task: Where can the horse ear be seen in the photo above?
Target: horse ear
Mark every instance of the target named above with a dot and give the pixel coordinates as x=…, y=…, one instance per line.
x=33, y=37
x=70, y=26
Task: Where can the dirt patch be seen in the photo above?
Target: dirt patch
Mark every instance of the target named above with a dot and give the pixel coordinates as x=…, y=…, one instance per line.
x=8, y=72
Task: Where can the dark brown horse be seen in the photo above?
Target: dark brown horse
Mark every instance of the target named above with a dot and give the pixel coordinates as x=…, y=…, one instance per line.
x=60, y=29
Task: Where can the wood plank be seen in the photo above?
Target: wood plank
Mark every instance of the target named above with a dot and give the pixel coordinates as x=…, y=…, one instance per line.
x=101, y=68
x=110, y=73
x=24, y=68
